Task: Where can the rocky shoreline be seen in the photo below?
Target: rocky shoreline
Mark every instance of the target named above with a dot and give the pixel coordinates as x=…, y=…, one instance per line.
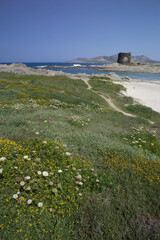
x=22, y=69
x=116, y=67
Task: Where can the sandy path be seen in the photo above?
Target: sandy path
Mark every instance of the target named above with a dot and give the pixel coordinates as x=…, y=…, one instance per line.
x=108, y=100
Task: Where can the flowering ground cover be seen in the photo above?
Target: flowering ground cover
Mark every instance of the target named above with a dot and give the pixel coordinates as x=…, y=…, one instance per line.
x=19, y=92
x=144, y=139
x=146, y=169
x=70, y=167
x=41, y=176
x=45, y=188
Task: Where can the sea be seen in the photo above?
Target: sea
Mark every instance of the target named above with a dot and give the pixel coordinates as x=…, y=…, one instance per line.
x=85, y=69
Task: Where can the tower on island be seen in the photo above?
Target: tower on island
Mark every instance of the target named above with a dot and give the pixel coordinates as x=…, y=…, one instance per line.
x=124, y=58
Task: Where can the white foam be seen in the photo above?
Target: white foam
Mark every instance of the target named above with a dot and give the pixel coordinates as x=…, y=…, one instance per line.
x=76, y=65
x=42, y=66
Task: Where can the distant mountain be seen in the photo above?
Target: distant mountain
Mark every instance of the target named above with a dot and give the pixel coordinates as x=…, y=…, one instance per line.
x=141, y=58
x=111, y=59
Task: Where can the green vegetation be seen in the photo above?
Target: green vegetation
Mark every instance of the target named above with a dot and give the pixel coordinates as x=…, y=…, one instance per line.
x=130, y=64
x=112, y=90
x=71, y=167
x=105, y=85
x=145, y=140
x=44, y=178
x=143, y=111
x=14, y=87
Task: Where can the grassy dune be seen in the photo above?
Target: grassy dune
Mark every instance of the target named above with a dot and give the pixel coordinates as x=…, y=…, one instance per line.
x=125, y=103
x=71, y=167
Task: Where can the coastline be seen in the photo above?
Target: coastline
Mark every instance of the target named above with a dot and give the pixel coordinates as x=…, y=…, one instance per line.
x=143, y=91
x=112, y=67
x=116, y=67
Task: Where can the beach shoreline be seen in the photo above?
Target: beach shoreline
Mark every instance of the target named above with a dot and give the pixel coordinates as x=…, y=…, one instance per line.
x=144, y=92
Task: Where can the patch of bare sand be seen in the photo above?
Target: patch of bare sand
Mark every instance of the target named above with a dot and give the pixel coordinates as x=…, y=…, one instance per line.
x=146, y=92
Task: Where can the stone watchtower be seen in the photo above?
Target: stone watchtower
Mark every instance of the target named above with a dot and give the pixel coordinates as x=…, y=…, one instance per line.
x=124, y=58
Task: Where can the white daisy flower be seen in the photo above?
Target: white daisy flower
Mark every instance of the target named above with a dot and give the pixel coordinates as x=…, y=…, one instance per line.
x=2, y=159
x=25, y=157
x=68, y=154
x=59, y=171
x=15, y=196
x=27, y=178
x=22, y=183
x=45, y=174
x=40, y=204
x=39, y=172
x=79, y=177
x=29, y=201
x=80, y=183
x=54, y=190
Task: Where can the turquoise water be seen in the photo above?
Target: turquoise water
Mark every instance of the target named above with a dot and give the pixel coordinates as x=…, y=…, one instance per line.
x=146, y=76
x=85, y=69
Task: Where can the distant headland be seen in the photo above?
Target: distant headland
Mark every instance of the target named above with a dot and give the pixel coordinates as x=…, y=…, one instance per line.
x=112, y=59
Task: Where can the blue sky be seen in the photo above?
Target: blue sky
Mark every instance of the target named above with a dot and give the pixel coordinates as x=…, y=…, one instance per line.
x=59, y=30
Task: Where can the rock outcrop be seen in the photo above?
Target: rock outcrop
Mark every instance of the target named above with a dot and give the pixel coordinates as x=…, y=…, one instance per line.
x=114, y=76
x=124, y=58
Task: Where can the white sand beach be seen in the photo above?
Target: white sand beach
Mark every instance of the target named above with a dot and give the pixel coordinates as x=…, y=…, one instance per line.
x=145, y=92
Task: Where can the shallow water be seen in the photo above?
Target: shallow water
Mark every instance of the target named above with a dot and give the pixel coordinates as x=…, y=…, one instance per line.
x=144, y=76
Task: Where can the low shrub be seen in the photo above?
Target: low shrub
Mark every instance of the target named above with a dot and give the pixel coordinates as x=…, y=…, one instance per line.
x=143, y=139
x=41, y=177
x=143, y=168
